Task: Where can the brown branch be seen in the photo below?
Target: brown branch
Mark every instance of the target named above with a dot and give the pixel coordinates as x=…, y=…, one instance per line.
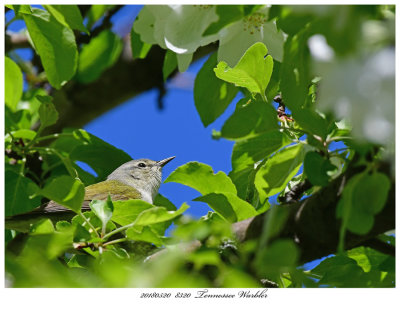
x=105, y=24
x=312, y=223
x=380, y=246
x=78, y=103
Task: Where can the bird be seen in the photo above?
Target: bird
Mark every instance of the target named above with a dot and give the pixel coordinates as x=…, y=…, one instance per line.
x=135, y=179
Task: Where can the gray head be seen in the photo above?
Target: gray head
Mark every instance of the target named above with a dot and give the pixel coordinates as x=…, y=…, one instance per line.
x=142, y=174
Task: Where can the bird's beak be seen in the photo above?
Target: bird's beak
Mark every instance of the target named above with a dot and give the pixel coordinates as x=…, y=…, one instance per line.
x=164, y=161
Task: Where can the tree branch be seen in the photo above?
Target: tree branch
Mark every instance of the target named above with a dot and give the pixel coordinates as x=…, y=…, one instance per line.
x=78, y=104
x=312, y=223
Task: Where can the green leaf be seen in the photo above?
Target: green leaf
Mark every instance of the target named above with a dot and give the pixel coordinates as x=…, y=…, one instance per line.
x=211, y=95
x=13, y=83
x=20, y=9
x=63, y=225
x=81, y=234
x=24, y=133
x=291, y=21
x=101, y=156
x=158, y=214
x=379, y=267
x=247, y=152
x=242, y=180
x=68, y=15
x=48, y=114
x=96, y=12
x=160, y=200
x=363, y=196
x=201, y=177
x=235, y=278
x=311, y=121
x=295, y=76
x=280, y=256
x=101, y=53
x=227, y=15
x=295, y=81
x=277, y=171
x=139, y=48
x=340, y=271
x=250, y=116
x=103, y=210
x=146, y=234
x=359, y=254
x=44, y=226
x=229, y=206
x=170, y=63
x=371, y=192
x=253, y=70
x=66, y=191
x=18, y=190
x=126, y=212
x=273, y=85
x=316, y=168
x=55, y=45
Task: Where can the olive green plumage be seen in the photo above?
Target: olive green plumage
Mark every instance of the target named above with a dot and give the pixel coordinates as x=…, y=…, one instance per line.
x=117, y=190
x=136, y=179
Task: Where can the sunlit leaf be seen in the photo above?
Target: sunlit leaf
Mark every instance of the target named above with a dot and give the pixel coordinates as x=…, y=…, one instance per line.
x=24, y=133
x=201, y=177
x=253, y=70
x=12, y=83
x=103, y=210
x=44, y=226
x=229, y=206
x=139, y=49
x=55, y=45
x=158, y=214
x=276, y=172
x=66, y=191
x=20, y=9
x=68, y=15
x=144, y=234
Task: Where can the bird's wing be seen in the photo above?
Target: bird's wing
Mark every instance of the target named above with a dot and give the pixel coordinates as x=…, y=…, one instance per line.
x=56, y=212
x=117, y=191
x=100, y=191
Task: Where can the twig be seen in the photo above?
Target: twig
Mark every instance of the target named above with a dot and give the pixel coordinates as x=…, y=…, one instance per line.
x=115, y=241
x=88, y=223
x=380, y=246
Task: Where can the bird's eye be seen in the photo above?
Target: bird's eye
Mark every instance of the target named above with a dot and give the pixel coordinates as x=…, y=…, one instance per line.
x=141, y=164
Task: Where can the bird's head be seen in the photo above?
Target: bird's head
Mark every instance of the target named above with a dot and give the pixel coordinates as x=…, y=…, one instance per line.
x=141, y=174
